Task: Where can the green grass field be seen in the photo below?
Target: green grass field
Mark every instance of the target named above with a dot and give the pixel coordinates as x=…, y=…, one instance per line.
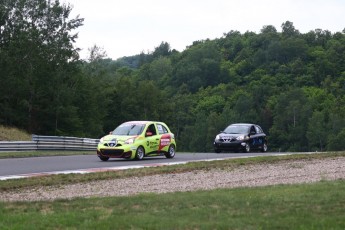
x=307, y=206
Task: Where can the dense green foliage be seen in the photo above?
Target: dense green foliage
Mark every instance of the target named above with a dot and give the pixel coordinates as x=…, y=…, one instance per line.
x=39, y=75
x=292, y=84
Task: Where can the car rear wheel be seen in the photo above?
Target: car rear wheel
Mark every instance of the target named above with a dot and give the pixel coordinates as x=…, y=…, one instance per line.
x=171, y=152
x=264, y=147
x=104, y=158
x=139, y=154
x=217, y=150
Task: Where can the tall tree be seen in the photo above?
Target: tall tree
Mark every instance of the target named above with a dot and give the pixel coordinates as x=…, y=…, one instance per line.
x=199, y=66
x=162, y=50
x=291, y=114
x=37, y=58
x=288, y=29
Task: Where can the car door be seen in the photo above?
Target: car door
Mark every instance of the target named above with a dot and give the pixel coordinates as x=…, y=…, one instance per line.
x=165, y=137
x=257, y=137
x=152, y=139
x=253, y=138
x=261, y=136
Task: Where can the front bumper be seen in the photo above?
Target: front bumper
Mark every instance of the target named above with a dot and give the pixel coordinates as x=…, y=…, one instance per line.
x=230, y=146
x=116, y=152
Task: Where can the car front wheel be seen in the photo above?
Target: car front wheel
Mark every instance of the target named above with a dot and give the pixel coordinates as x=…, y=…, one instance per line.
x=104, y=158
x=246, y=148
x=171, y=152
x=139, y=154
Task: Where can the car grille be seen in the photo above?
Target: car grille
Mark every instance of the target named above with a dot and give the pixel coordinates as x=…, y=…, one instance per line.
x=110, y=145
x=228, y=139
x=112, y=152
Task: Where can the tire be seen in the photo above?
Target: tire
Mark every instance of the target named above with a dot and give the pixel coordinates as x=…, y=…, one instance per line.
x=171, y=152
x=140, y=153
x=217, y=150
x=103, y=158
x=264, y=147
x=246, y=148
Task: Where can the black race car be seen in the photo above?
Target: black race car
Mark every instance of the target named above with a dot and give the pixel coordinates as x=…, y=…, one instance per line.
x=241, y=137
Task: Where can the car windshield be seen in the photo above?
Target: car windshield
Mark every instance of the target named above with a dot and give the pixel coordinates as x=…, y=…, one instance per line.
x=236, y=129
x=129, y=129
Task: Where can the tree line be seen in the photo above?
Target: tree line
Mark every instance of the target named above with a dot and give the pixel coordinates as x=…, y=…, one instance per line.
x=290, y=83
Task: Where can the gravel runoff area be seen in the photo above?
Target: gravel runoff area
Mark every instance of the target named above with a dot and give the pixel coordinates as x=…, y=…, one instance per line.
x=285, y=172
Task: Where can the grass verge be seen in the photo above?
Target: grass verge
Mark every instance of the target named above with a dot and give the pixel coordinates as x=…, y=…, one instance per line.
x=11, y=133
x=307, y=206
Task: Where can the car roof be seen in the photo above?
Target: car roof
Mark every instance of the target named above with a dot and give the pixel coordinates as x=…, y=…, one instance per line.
x=142, y=122
x=137, y=122
x=244, y=124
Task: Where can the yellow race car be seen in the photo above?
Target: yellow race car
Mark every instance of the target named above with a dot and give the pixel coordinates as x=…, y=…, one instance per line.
x=136, y=140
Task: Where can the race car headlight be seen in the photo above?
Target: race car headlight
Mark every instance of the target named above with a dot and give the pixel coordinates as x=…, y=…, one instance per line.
x=130, y=141
x=242, y=138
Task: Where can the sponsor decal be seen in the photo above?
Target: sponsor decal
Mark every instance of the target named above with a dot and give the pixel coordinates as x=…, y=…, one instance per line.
x=165, y=141
x=153, y=145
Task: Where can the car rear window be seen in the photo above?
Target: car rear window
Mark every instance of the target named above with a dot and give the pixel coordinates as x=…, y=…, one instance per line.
x=162, y=129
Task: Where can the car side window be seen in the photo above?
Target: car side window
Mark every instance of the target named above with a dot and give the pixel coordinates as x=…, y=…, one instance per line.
x=258, y=129
x=252, y=130
x=152, y=129
x=161, y=129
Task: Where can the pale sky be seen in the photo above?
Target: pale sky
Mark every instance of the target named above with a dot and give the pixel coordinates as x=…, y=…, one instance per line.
x=129, y=27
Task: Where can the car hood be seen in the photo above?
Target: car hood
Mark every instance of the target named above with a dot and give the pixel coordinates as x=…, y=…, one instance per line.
x=230, y=135
x=120, y=138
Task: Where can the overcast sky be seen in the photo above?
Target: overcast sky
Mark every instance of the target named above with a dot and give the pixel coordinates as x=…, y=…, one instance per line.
x=129, y=27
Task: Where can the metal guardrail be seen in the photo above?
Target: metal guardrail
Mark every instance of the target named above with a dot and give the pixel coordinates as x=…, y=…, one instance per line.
x=50, y=143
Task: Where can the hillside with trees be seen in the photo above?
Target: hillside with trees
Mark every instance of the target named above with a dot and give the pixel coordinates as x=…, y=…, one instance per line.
x=290, y=83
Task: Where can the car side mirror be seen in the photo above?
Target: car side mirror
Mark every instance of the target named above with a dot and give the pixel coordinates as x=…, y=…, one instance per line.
x=149, y=134
x=111, y=132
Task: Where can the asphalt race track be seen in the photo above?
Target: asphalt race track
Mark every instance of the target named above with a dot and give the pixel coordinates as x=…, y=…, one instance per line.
x=33, y=166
